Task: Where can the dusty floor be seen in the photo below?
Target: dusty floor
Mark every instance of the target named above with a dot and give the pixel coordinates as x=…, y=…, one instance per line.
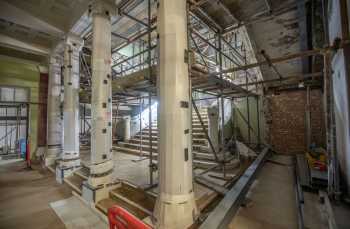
x=25, y=196
x=271, y=201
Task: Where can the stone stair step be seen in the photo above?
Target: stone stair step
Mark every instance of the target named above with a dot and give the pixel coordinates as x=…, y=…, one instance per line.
x=147, y=147
x=83, y=172
x=194, y=130
x=75, y=182
x=137, y=146
x=199, y=126
x=135, y=152
x=203, y=156
x=107, y=203
x=144, y=141
x=145, y=137
x=194, y=121
x=196, y=141
x=197, y=162
x=135, y=197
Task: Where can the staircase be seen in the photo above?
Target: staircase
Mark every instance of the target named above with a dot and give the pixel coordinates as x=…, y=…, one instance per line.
x=135, y=200
x=139, y=144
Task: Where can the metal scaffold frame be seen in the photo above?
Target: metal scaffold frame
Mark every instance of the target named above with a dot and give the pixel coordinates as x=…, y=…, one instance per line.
x=216, y=54
x=211, y=50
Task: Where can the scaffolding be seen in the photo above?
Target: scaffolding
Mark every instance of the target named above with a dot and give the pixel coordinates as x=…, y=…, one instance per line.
x=222, y=67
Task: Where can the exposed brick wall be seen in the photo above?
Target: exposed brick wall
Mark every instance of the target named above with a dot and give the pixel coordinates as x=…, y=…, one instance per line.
x=287, y=123
x=318, y=131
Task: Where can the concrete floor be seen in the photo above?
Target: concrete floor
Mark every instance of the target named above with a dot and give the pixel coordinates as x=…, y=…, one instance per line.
x=135, y=170
x=25, y=196
x=271, y=200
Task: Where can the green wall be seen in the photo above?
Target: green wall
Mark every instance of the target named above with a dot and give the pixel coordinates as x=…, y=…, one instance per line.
x=17, y=73
x=241, y=118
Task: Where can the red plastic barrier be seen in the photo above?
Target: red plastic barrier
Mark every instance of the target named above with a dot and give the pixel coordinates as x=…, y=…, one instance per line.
x=119, y=218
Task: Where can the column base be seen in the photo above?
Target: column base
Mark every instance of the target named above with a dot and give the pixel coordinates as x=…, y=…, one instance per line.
x=50, y=161
x=65, y=169
x=94, y=194
x=175, y=211
x=99, y=183
x=52, y=154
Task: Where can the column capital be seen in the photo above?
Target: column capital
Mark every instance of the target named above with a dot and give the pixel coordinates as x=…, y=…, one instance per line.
x=56, y=54
x=74, y=40
x=56, y=59
x=103, y=7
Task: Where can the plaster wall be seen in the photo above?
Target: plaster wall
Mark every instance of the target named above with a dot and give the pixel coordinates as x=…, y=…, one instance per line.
x=15, y=73
x=340, y=90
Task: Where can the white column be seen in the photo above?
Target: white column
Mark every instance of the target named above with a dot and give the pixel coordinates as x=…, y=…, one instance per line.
x=70, y=156
x=213, y=126
x=127, y=133
x=175, y=206
x=101, y=138
x=54, y=121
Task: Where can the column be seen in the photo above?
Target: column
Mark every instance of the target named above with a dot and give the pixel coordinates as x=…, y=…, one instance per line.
x=213, y=126
x=175, y=205
x=101, y=167
x=70, y=159
x=127, y=133
x=54, y=121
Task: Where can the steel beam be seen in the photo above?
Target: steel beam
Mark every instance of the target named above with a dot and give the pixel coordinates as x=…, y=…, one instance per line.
x=224, y=212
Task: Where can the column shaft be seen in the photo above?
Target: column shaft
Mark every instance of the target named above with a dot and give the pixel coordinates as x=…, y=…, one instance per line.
x=71, y=123
x=127, y=133
x=175, y=207
x=213, y=126
x=54, y=121
x=101, y=137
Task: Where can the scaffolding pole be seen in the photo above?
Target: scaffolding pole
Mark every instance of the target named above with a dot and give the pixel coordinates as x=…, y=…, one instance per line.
x=150, y=94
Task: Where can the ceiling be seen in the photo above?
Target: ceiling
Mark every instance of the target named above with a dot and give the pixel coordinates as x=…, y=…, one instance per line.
x=272, y=26
x=35, y=26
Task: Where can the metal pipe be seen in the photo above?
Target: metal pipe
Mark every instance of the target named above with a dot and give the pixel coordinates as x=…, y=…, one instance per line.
x=268, y=59
x=140, y=116
x=215, y=48
x=133, y=39
x=258, y=119
x=150, y=94
x=247, y=98
x=136, y=55
x=222, y=108
x=150, y=139
x=136, y=20
x=205, y=131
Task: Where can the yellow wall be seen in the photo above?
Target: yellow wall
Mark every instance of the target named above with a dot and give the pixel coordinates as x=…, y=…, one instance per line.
x=16, y=73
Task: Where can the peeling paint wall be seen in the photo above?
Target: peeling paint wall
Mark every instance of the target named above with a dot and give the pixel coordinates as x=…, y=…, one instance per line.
x=241, y=118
